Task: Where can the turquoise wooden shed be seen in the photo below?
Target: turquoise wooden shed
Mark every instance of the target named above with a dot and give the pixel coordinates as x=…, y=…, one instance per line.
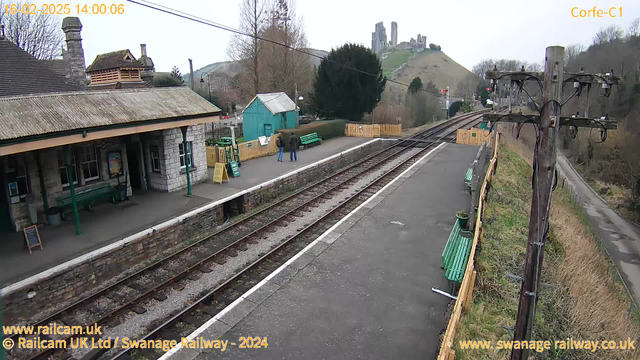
x=268, y=113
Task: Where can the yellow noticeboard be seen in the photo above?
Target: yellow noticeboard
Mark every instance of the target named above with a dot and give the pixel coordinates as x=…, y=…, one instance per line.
x=220, y=173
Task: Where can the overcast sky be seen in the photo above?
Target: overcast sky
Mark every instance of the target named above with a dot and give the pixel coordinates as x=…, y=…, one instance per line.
x=467, y=30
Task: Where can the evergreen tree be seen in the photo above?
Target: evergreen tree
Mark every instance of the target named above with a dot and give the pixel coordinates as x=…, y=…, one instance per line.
x=416, y=84
x=175, y=72
x=343, y=92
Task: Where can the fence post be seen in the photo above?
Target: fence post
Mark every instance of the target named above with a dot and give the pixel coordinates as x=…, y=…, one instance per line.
x=474, y=195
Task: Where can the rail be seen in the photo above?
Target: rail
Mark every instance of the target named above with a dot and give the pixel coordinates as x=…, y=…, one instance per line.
x=275, y=257
x=400, y=146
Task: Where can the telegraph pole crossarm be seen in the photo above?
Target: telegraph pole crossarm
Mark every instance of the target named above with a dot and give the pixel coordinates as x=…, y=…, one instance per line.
x=519, y=118
x=548, y=122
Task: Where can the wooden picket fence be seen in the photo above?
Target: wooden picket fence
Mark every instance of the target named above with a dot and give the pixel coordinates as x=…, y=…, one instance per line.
x=465, y=294
x=372, y=130
x=472, y=136
x=248, y=150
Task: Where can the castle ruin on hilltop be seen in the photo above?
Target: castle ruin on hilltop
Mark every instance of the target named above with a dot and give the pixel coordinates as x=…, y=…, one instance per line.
x=380, y=43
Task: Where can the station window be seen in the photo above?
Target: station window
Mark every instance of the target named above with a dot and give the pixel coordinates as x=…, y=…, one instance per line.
x=18, y=178
x=155, y=158
x=89, y=162
x=189, y=154
x=62, y=167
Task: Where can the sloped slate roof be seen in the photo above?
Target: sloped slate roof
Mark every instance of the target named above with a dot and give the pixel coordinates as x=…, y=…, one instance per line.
x=24, y=116
x=113, y=60
x=276, y=102
x=58, y=66
x=21, y=73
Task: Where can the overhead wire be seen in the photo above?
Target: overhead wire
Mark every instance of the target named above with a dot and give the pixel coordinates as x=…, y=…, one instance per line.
x=187, y=16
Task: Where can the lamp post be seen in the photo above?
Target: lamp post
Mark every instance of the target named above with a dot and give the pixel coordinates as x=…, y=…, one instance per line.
x=297, y=110
x=208, y=83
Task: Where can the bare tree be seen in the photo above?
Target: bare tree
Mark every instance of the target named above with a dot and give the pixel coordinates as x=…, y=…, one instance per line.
x=609, y=34
x=634, y=28
x=571, y=52
x=38, y=34
x=533, y=67
x=467, y=87
x=246, y=50
x=481, y=68
x=286, y=66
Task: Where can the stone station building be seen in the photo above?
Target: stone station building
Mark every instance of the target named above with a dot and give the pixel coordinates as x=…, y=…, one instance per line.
x=130, y=137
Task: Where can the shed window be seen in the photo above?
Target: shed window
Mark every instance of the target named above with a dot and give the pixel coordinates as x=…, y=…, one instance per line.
x=189, y=154
x=64, y=178
x=89, y=162
x=155, y=158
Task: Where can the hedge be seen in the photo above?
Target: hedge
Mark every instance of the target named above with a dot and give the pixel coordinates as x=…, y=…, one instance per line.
x=326, y=129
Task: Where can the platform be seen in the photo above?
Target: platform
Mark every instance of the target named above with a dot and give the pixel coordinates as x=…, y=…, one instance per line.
x=363, y=289
x=109, y=223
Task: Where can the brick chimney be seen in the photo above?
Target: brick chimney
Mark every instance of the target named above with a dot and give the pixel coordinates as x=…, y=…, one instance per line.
x=149, y=71
x=74, y=56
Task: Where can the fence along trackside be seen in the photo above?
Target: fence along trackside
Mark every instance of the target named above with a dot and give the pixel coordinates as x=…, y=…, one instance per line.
x=466, y=288
x=375, y=130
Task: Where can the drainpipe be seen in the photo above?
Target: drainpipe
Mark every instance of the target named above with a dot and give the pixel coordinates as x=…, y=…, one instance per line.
x=76, y=216
x=186, y=157
x=43, y=189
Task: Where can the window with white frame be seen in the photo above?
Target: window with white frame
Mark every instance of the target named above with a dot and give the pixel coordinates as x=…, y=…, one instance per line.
x=89, y=162
x=155, y=158
x=189, y=155
x=62, y=167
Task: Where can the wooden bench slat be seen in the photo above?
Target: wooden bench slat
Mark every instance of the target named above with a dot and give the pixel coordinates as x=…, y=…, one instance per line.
x=87, y=197
x=310, y=138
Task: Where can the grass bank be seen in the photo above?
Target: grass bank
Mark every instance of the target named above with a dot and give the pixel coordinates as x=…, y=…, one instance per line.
x=586, y=301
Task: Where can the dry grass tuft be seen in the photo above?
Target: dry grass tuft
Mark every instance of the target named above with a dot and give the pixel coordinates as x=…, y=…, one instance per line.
x=589, y=301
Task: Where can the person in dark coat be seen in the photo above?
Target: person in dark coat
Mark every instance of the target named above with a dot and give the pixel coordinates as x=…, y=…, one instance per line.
x=280, y=145
x=293, y=145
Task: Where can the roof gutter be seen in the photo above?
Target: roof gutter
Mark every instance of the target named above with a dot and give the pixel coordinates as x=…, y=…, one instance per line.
x=85, y=131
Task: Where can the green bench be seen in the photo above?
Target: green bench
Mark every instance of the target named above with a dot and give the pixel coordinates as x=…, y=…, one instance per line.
x=468, y=176
x=87, y=198
x=310, y=139
x=456, y=254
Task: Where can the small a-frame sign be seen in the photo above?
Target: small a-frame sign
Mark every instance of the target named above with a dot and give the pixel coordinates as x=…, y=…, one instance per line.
x=220, y=173
x=32, y=237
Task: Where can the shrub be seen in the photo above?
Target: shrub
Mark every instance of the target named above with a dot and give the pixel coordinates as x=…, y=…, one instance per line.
x=326, y=129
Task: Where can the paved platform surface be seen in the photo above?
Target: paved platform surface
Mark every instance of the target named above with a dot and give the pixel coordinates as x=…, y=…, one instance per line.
x=621, y=238
x=362, y=291
x=109, y=223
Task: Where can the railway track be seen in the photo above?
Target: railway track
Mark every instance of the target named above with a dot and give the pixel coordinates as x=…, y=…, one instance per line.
x=106, y=306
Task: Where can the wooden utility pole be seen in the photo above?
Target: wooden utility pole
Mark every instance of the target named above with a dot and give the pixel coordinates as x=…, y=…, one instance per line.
x=544, y=177
x=191, y=78
x=543, y=183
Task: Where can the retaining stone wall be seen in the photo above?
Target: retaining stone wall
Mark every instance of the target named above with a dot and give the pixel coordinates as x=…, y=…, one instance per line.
x=75, y=283
x=270, y=192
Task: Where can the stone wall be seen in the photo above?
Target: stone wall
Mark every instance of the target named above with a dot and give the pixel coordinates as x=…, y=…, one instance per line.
x=75, y=283
x=51, y=174
x=175, y=174
x=269, y=192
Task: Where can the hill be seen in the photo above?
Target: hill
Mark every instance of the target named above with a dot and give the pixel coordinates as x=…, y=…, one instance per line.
x=231, y=68
x=429, y=65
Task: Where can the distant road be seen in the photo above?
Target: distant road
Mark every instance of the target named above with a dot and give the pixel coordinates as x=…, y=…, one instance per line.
x=620, y=237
